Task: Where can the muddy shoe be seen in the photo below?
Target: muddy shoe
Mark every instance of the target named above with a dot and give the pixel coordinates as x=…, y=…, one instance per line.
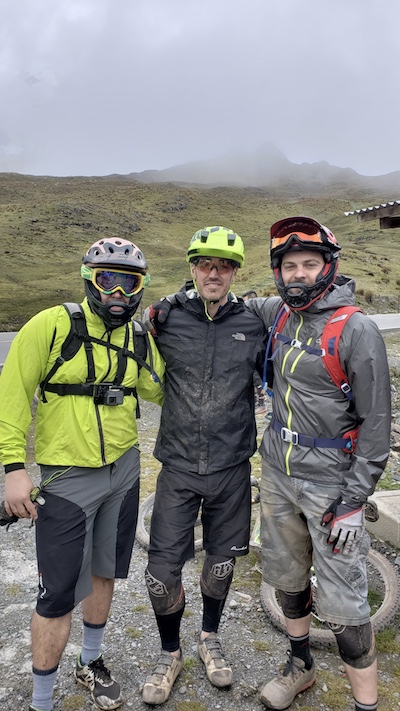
x=218, y=670
x=104, y=690
x=158, y=685
x=280, y=692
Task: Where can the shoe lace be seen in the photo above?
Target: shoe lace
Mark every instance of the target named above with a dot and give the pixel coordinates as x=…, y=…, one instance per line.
x=100, y=670
x=290, y=666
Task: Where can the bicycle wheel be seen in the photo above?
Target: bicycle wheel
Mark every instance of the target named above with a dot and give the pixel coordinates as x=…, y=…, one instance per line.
x=383, y=596
x=144, y=520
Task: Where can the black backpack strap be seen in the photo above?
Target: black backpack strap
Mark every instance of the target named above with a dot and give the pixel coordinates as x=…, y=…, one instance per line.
x=141, y=344
x=122, y=359
x=77, y=335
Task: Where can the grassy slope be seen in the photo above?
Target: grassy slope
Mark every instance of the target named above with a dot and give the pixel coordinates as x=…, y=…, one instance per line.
x=46, y=224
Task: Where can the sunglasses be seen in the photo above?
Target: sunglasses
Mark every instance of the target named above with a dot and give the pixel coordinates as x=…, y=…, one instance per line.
x=109, y=281
x=206, y=264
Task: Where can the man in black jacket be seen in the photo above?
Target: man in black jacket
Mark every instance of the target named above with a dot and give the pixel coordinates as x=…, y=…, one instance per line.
x=211, y=345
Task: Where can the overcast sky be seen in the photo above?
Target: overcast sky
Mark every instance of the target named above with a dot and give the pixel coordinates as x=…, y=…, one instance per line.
x=93, y=87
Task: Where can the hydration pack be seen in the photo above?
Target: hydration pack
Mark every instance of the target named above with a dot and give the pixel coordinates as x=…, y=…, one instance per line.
x=329, y=350
x=79, y=335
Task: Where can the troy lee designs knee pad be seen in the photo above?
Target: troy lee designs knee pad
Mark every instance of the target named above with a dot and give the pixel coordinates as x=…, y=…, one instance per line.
x=164, y=584
x=296, y=605
x=356, y=644
x=217, y=576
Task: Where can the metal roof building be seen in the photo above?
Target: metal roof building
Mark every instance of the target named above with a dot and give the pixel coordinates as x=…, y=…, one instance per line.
x=388, y=214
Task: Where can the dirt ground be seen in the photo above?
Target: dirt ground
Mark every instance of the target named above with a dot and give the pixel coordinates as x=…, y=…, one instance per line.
x=254, y=646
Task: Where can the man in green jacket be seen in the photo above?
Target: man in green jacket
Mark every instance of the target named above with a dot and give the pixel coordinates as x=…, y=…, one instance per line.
x=86, y=443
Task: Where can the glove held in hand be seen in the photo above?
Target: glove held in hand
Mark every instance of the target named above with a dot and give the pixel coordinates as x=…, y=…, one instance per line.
x=346, y=524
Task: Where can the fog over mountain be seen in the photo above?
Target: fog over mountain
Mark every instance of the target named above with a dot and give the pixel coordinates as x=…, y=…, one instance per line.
x=265, y=167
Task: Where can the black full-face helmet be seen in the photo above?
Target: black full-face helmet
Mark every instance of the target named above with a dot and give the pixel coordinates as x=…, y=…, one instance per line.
x=303, y=233
x=116, y=255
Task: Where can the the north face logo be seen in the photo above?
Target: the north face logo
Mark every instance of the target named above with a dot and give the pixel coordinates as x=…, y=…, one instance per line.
x=239, y=336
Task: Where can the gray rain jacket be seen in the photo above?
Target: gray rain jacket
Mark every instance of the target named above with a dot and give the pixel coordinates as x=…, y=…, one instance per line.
x=207, y=420
x=308, y=402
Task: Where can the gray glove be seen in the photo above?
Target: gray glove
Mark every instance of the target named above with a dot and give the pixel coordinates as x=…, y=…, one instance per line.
x=346, y=522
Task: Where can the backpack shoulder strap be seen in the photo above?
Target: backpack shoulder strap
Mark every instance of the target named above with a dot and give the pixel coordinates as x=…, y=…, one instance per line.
x=141, y=340
x=330, y=347
x=78, y=331
x=141, y=344
x=279, y=322
x=77, y=335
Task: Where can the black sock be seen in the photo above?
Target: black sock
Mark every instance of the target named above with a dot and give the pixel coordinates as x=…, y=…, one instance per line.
x=300, y=647
x=365, y=707
x=168, y=627
x=212, y=611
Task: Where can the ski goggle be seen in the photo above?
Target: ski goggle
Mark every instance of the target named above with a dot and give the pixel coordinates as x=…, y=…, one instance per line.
x=306, y=240
x=207, y=264
x=109, y=281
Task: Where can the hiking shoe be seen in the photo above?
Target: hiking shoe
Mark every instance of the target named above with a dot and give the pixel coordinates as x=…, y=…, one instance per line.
x=293, y=679
x=104, y=690
x=158, y=685
x=218, y=670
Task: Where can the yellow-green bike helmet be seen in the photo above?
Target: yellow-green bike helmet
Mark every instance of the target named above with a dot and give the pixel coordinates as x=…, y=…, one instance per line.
x=216, y=242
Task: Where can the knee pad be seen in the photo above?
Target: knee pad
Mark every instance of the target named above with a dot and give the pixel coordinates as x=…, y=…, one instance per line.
x=164, y=584
x=217, y=576
x=356, y=644
x=296, y=605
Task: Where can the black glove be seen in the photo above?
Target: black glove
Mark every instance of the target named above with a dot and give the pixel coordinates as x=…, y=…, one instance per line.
x=5, y=519
x=157, y=313
x=346, y=522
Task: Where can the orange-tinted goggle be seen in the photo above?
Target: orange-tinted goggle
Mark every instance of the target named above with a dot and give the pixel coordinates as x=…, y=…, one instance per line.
x=301, y=237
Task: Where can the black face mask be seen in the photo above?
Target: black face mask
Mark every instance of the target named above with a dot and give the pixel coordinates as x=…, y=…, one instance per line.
x=112, y=320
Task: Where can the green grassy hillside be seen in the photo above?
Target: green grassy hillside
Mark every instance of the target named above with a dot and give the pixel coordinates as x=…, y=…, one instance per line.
x=46, y=224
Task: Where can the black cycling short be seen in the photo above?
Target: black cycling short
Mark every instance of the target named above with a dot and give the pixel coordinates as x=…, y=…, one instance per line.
x=225, y=502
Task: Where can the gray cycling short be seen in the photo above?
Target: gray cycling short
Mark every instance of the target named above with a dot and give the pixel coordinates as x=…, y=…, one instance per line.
x=293, y=540
x=85, y=527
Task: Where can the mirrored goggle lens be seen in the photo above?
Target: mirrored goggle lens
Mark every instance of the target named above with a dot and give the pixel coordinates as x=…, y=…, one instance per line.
x=206, y=265
x=307, y=240
x=110, y=281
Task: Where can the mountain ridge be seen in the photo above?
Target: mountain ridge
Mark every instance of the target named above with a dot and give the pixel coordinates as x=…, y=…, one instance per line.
x=265, y=167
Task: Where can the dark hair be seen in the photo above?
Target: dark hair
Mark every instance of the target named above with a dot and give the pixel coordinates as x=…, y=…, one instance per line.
x=251, y=293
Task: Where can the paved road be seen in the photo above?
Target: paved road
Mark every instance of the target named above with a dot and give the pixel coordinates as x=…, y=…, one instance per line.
x=5, y=342
x=386, y=322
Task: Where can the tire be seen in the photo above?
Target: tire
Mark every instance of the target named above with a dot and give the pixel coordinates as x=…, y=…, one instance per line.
x=382, y=579
x=143, y=525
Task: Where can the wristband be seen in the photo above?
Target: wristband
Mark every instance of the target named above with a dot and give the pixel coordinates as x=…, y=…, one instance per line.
x=13, y=467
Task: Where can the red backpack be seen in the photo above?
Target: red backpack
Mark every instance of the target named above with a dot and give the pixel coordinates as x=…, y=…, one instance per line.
x=329, y=352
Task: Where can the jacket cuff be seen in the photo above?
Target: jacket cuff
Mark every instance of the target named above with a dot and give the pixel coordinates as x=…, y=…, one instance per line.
x=13, y=467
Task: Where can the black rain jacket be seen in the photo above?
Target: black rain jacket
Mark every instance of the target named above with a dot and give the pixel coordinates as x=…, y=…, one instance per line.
x=207, y=421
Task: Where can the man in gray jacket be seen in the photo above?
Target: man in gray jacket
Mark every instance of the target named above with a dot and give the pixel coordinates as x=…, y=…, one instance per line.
x=323, y=454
